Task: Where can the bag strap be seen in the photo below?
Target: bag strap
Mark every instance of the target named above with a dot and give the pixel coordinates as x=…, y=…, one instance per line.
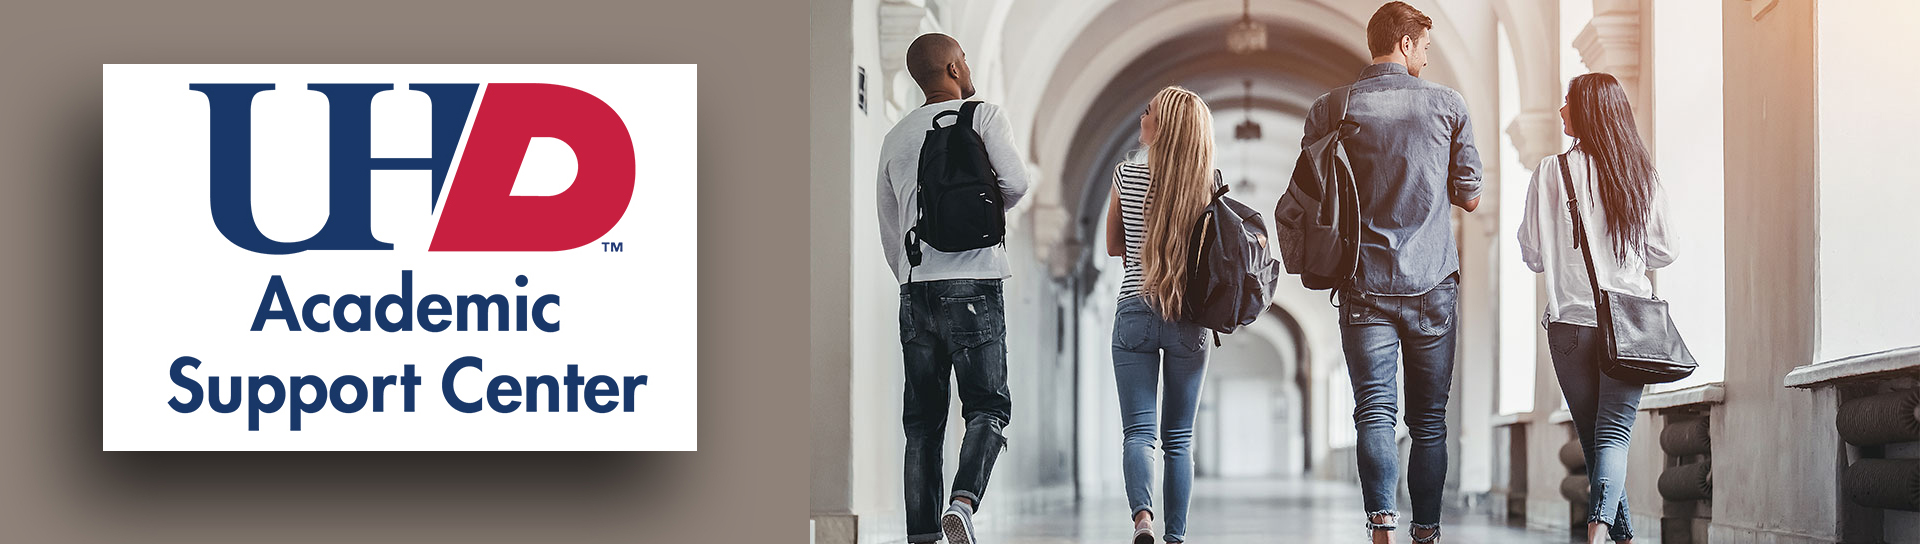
x=1580, y=240
x=966, y=113
x=1203, y=227
x=1341, y=97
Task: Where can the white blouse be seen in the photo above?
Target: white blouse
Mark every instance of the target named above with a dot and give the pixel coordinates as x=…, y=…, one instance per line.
x=1569, y=297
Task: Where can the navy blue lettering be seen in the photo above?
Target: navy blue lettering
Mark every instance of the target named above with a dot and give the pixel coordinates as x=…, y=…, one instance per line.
x=300, y=404
x=340, y=313
x=503, y=387
x=480, y=303
x=404, y=300
x=359, y=394
x=213, y=395
x=601, y=386
x=306, y=312
x=573, y=381
x=408, y=381
x=533, y=393
x=632, y=383
x=192, y=387
x=276, y=292
x=433, y=305
x=539, y=313
x=446, y=384
x=255, y=406
x=349, y=222
x=380, y=384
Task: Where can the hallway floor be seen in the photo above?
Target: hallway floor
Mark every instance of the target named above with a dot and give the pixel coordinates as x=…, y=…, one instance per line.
x=1240, y=512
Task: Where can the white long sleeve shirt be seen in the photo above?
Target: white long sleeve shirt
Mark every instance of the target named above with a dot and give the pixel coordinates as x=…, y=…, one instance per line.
x=1546, y=243
x=899, y=202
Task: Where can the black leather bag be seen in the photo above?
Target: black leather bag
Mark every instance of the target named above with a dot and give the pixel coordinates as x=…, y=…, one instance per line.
x=1639, y=343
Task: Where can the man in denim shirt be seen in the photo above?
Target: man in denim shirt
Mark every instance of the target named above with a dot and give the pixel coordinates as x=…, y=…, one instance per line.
x=1412, y=159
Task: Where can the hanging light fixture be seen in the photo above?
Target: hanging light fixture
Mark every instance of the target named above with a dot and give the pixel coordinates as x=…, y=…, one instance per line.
x=1247, y=129
x=1246, y=36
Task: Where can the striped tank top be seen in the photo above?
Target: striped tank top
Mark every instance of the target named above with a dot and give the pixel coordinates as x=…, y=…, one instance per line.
x=1131, y=181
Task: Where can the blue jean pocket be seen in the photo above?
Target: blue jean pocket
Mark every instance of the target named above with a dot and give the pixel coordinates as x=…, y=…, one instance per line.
x=1194, y=337
x=1133, y=326
x=1437, y=309
x=1562, y=338
x=1356, y=309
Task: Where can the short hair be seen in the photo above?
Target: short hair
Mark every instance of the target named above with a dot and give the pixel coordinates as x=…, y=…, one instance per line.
x=929, y=55
x=1392, y=21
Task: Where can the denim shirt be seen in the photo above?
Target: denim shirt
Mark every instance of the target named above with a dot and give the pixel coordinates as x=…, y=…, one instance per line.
x=1413, y=159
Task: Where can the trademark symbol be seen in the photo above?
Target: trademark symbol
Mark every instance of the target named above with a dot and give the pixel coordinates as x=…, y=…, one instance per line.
x=610, y=247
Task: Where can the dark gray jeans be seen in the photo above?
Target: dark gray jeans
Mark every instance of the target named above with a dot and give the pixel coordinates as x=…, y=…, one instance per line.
x=951, y=328
x=1603, y=410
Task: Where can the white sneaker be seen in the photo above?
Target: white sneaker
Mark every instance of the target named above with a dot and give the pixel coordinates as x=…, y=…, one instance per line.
x=1143, y=534
x=957, y=523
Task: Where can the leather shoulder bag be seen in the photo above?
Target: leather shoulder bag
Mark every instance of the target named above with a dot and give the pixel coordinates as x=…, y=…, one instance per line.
x=1639, y=343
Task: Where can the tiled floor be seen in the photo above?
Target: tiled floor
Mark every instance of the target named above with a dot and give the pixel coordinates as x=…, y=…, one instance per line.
x=1240, y=512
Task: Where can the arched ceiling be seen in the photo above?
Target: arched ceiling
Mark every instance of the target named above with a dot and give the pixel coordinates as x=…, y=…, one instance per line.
x=1298, y=66
x=1095, y=54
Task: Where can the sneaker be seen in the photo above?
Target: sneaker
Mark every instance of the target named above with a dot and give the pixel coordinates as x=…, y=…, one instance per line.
x=957, y=523
x=1143, y=533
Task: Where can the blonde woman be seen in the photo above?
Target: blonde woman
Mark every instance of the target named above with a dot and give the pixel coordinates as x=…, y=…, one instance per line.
x=1149, y=217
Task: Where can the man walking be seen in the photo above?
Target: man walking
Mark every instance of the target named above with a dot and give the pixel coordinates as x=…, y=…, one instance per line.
x=952, y=319
x=1412, y=157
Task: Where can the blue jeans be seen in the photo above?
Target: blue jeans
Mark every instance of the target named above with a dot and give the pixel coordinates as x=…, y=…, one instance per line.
x=1377, y=333
x=958, y=328
x=1603, y=409
x=1146, y=347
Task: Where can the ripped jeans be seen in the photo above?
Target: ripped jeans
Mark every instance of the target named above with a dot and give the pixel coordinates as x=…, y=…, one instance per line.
x=1603, y=409
x=951, y=329
x=1384, y=337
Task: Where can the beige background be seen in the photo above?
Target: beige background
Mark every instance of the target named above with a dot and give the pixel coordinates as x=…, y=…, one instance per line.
x=746, y=483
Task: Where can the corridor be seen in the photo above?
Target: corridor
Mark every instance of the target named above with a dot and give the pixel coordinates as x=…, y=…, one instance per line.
x=1237, y=511
x=1767, y=122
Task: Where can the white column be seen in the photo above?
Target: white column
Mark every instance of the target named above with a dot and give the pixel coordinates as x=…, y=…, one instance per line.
x=1611, y=43
x=1518, y=307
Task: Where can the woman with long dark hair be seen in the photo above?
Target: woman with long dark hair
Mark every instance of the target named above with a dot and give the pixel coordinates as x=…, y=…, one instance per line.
x=1152, y=212
x=1624, y=212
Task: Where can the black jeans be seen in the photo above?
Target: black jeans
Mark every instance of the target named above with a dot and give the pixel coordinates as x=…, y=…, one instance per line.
x=1378, y=334
x=957, y=328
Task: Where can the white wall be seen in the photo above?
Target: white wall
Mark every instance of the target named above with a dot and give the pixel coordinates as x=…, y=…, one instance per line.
x=1684, y=40
x=1868, y=191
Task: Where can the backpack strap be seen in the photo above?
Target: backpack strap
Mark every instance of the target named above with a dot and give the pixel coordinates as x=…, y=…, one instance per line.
x=943, y=115
x=1340, y=98
x=966, y=113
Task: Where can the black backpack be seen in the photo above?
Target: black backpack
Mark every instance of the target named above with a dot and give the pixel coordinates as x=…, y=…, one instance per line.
x=1317, y=221
x=959, y=192
x=1232, y=274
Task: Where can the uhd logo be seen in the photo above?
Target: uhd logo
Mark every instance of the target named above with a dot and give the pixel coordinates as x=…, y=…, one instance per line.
x=509, y=118
x=399, y=257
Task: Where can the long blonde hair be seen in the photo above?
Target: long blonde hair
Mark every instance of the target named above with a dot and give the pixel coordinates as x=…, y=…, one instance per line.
x=1180, y=162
